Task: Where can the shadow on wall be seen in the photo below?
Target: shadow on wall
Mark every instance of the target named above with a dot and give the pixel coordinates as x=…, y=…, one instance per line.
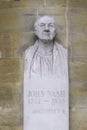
x=23, y=48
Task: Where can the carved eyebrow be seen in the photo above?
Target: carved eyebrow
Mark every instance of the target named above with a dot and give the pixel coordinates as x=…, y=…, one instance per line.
x=41, y=23
x=51, y=23
x=48, y=23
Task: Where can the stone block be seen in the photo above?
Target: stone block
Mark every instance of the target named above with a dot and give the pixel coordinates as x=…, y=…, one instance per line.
x=78, y=94
x=78, y=71
x=8, y=127
x=8, y=22
x=78, y=119
x=20, y=3
x=78, y=4
x=11, y=104
x=56, y=3
x=10, y=70
x=78, y=52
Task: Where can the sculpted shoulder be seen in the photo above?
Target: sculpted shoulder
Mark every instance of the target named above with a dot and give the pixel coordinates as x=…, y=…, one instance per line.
x=61, y=49
x=30, y=50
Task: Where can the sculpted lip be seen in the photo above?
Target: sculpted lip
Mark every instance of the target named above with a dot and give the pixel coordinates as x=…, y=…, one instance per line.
x=46, y=33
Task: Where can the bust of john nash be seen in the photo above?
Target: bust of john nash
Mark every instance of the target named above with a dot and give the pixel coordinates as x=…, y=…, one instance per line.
x=46, y=58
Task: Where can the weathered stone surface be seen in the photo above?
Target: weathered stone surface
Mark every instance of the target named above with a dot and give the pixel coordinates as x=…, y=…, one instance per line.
x=78, y=63
x=20, y=3
x=78, y=94
x=8, y=22
x=77, y=33
x=10, y=127
x=78, y=71
x=10, y=70
x=31, y=3
x=11, y=104
x=56, y=3
x=16, y=33
x=9, y=44
x=78, y=119
x=78, y=4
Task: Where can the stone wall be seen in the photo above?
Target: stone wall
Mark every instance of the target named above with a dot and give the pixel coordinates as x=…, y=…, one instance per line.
x=16, y=34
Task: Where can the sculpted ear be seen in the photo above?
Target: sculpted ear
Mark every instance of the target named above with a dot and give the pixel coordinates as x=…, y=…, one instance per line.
x=36, y=29
x=36, y=26
x=36, y=33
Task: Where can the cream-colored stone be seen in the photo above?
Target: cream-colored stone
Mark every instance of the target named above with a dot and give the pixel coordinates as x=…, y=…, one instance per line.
x=78, y=71
x=56, y=3
x=20, y=3
x=10, y=105
x=77, y=25
x=78, y=52
x=78, y=4
x=78, y=119
x=78, y=94
x=8, y=127
x=10, y=70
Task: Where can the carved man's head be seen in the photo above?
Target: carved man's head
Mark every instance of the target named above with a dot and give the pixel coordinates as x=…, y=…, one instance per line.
x=45, y=28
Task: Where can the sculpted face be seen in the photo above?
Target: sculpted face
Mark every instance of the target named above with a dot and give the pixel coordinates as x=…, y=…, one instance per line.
x=45, y=28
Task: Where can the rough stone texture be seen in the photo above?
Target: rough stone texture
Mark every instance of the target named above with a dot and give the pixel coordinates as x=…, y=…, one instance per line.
x=16, y=33
x=78, y=63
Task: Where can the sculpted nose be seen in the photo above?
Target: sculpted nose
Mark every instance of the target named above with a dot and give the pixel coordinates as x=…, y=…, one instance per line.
x=46, y=28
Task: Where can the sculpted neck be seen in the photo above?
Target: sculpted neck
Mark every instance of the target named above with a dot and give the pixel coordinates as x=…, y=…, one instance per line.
x=45, y=47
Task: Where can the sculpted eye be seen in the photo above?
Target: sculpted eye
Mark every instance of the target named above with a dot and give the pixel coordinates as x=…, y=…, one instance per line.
x=51, y=25
x=41, y=25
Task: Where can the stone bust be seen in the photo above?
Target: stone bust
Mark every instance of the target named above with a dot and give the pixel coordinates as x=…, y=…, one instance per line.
x=46, y=58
